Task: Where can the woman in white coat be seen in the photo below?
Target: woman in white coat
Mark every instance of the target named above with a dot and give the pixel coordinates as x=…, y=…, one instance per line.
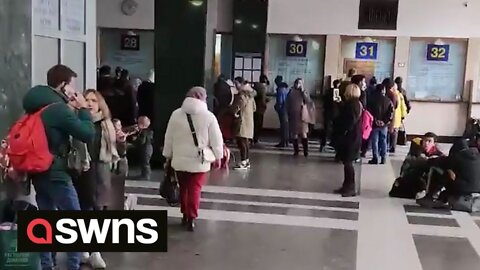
x=190, y=165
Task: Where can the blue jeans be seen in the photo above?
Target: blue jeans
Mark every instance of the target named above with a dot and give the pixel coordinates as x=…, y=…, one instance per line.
x=379, y=142
x=53, y=195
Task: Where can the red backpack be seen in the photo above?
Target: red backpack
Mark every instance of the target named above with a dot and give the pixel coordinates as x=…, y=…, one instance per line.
x=28, y=146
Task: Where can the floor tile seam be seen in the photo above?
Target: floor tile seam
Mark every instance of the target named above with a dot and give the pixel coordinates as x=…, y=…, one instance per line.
x=254, y=191
x=266, y=204
x=470, y=228
x=271, y=219
x=259, y=198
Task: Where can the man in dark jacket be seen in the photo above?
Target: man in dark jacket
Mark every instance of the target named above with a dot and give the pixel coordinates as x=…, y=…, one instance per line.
x=281, y=109
x=146, y=97
x=463, y=167
x=381, y=109
x=261, y=101
x=54, y=188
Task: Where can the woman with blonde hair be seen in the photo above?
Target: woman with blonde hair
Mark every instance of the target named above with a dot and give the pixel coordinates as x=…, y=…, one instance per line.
x=94, y=185
x=350, y=137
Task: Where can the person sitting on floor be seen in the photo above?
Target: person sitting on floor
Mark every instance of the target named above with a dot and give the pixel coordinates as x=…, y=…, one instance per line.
x=416, y=167
x=461, y=177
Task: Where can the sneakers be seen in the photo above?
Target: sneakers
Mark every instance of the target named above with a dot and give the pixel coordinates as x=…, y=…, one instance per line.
x=84, y=256
x=97, y=261
x=243, y=165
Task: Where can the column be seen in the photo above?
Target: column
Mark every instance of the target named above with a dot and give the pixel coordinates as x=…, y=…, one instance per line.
x=180, y=40
x=15, y=59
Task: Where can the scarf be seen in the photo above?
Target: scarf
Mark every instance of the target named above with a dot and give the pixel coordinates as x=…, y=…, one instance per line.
x=108, y=148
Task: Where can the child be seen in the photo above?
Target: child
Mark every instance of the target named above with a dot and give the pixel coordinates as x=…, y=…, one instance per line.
x=144, y=142
x=122, y=166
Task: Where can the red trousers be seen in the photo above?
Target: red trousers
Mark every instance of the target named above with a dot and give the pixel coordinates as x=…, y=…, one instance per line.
x=190, y=192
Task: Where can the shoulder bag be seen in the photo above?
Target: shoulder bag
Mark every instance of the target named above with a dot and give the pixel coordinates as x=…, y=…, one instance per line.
x=206, y=154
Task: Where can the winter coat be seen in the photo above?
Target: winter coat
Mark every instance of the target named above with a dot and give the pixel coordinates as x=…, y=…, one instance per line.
x=349, y=130
x=281, y=98
x=381, y=109
x=60, y=122
x=244, y=107
x=465, y=163
x=223, y=96
x=400, y=112
x=261, y=99
x=179, y=145
x=296, y=99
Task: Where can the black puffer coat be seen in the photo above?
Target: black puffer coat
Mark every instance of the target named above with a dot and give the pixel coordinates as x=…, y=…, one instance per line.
x=349, y=131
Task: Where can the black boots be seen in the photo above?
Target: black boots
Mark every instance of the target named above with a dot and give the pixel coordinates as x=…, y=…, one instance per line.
x=305, y=147
x=296, y=149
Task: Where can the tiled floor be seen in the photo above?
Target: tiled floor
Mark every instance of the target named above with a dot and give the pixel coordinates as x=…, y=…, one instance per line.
x=282, y=215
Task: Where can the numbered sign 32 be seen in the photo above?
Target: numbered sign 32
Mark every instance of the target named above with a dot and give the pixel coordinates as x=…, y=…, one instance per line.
x=130, y=42
x=438, y=52
x=296, y=48
x=366, y=50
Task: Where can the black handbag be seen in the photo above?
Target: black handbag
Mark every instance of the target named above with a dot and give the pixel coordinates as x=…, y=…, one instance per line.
x=402, y=136
x=169, y=188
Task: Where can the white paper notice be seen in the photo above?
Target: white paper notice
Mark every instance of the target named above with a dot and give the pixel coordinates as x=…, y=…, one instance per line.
x=238, y=62
x=238, y=73
x=256, y=75
x=257, y=63
x=247, y=63
x=73, y=16
x=247, y=75
x=46, y=14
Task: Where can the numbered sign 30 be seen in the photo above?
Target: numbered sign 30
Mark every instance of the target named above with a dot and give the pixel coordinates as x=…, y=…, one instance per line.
x=366, y=50
x=130, y=42
x=438, y=52
x=296, y=48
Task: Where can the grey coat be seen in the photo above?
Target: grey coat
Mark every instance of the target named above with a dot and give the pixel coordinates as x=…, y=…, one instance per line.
x=295, y=100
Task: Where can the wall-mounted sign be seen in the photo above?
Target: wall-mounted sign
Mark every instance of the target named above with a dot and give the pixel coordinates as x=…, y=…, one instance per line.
x=296, y=48
x=438, y=52
x=366, y=50
x=130, y=42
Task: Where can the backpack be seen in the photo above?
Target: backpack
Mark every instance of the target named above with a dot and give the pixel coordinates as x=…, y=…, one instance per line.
x=28, y=146
x=367, y=124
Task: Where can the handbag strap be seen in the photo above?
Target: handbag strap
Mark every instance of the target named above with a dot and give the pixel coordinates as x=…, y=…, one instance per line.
x=192, y=129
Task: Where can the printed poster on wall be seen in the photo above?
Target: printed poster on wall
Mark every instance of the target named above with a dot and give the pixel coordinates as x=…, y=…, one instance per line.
x=73, y=16
x=46, y=14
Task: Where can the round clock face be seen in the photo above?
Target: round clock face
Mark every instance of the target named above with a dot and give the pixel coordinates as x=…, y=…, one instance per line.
x=129, y=7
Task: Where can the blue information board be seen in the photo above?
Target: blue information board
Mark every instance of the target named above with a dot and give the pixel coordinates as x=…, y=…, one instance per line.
x=366, y=50
x=438, y=52
x=296, y=48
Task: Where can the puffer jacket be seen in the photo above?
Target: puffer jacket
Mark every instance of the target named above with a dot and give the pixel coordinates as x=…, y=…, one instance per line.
x=244, y=106
x=179, y=145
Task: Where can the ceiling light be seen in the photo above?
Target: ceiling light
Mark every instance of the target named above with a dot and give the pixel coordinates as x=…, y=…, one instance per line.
x=238, y=21
x=196, y=3
x=255, y=26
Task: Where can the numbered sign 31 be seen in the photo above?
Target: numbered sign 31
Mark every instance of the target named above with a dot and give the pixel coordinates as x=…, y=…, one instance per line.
x=438, y=52
x=296, y=48
x=366, y=50
x=130, y=42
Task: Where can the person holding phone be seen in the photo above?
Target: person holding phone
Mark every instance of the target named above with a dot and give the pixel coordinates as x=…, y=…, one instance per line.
x=54, y=188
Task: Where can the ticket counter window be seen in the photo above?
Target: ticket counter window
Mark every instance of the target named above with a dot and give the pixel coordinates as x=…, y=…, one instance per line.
x=370, y=57
x=297, y=58
x=437, y=69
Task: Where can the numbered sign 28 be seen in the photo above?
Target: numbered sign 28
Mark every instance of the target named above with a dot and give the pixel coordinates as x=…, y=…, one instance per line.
x=130, y=42
x=438, y=52
x=296, y=48
x=366, y=50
